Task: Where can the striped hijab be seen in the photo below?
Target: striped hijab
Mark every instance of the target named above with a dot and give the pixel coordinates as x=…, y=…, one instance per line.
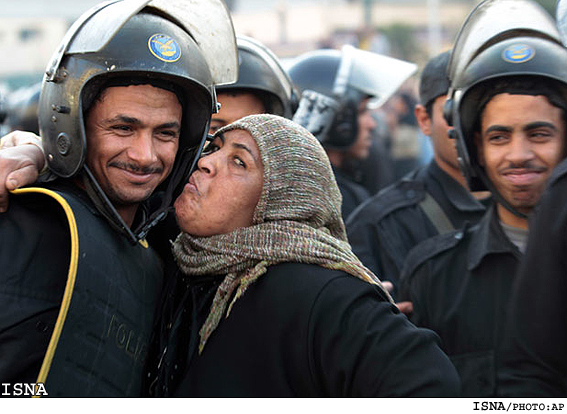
x=297, y=219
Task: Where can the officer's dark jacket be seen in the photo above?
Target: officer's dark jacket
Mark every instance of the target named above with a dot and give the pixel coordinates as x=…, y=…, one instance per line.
x=299, y=331
x=353, y=193
x=460, y=283
x=535, y=356
x=384, y=228
x=104, y=335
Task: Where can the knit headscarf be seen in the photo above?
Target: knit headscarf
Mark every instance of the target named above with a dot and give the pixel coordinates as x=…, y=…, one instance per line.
x=297, y=219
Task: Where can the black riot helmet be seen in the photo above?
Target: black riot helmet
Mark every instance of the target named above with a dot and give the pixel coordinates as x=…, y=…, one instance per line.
x=168, y=44
x=334, y=82
x=21, y=109
x=519, y=54
x=261, y=73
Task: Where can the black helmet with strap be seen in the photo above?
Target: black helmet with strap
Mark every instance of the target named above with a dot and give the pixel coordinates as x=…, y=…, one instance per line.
x=501, y=40
x=181, y=46
x=261, y=73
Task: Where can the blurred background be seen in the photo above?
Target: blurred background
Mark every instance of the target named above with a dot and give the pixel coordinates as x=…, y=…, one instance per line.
x=412, y=30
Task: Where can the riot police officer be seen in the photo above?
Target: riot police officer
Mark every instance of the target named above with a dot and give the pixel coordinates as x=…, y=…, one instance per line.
x=534, y=362
x=263, y=86
x=122, y=114
x=507, y=104
x=430, y=200
x=337, y=87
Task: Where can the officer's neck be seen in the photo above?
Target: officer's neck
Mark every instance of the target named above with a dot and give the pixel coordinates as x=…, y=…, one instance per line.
x=509, y=218
x=126, y=212
x=453, y=171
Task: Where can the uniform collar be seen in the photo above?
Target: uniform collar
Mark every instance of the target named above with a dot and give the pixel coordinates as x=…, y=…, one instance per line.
x=67, y=185
x=489, y=238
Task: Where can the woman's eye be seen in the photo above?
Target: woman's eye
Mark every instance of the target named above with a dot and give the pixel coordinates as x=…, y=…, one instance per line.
x=239, y=162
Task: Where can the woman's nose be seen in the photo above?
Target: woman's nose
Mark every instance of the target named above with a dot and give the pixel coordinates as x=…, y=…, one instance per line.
x=207, y=163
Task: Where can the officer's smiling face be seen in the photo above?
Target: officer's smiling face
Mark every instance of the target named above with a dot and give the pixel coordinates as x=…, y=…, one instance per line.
x=521, y=140
x=132, y=139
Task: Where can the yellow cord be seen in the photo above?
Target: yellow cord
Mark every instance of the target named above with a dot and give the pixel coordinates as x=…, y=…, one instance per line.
x=71, y=277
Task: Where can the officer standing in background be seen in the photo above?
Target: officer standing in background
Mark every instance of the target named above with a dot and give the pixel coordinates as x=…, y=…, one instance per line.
x=508, y=106
x=534, y=360
x=263, y=86
x=122, y=115
x=337, y=88
x=431, y=200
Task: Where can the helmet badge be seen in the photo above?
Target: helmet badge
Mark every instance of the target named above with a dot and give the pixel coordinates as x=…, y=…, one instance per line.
x=518, y=53
x=164, y=47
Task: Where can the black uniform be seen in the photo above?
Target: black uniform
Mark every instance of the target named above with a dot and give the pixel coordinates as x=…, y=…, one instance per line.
x=535, y=359
x=34, y=255
x=460, y=283
x=299, y=331
x=71, y=281
x=353, y=193
x=383, y=230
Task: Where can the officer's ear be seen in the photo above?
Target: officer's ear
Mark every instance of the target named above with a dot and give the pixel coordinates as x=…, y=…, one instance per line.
x=423, y=119
x=478, y=143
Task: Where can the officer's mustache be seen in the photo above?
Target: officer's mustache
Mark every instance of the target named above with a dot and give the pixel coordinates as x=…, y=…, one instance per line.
x=527, y=166
x=136, y=168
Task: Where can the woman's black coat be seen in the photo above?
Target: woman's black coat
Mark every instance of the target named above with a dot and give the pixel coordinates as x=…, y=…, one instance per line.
x=299, y=331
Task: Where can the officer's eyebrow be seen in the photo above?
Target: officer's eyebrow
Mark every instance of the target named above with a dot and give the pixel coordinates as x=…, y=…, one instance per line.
x=125, y=119
x=497, y=128
x=540, y=124
x=528, y=127
x=135, y=121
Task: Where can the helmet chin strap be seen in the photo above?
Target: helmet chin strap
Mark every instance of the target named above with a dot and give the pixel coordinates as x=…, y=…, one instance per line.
x=497, y=196
x=104, y=205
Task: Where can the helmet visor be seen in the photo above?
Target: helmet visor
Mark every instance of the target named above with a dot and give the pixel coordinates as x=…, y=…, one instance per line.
x=497, y=20
x=376, y=75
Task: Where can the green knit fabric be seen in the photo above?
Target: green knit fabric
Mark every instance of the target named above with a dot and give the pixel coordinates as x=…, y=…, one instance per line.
x=297, y=219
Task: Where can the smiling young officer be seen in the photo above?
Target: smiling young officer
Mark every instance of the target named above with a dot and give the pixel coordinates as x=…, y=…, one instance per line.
x=121, y=115
x=508, y=107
